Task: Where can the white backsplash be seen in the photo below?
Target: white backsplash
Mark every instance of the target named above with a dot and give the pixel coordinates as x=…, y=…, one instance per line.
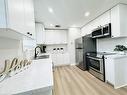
x=9, y=49
x=28, y=48
x=28, y=54
x=108, y=44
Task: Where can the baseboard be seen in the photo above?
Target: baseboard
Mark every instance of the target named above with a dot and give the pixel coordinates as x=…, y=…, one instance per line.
x=117, y=87
x=72, y=64
x=62, y=65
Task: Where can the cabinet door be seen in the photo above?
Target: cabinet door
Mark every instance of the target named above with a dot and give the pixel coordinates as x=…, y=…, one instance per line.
x=61, y=37
x=66, y=58
x=2, y=14
x=87, y=29
x=54, y=59
x=118, y=21
x=103, y=19
x=109, y=70
x=123, y=20
x=29, y=18
x=115, y=22
x=60, y=60
x=56, y=37
x=40, y=33
x=15, y=15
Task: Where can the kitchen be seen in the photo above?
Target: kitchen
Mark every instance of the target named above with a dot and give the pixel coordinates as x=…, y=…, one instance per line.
x=42, y=48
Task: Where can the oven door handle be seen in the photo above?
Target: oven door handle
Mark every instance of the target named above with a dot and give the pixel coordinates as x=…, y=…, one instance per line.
x=94, y=58
x=96, y=70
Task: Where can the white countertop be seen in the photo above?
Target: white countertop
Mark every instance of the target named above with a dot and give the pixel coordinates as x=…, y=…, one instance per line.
x=45, y=54
x=38, y=75
x=116, y=56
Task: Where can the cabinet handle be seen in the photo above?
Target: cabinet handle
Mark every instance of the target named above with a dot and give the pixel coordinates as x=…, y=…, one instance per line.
x=28, y=32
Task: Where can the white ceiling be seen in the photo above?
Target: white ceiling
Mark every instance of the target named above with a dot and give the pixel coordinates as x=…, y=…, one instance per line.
x=70, y=13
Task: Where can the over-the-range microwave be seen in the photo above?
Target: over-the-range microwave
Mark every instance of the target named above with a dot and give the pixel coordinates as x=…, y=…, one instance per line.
x=102, y=31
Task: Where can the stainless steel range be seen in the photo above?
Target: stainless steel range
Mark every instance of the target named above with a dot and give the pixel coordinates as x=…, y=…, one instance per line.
x=96, y=64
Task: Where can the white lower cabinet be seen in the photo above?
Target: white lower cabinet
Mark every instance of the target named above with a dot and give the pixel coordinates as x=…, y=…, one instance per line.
x=60, y=59
x=109, y=70
x=116, y=70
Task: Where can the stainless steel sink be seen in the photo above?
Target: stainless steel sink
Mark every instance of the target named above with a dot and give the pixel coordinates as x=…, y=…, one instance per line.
x=42, y=57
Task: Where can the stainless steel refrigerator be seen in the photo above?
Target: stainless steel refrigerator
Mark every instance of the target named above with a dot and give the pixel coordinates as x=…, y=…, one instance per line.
x=82, y=46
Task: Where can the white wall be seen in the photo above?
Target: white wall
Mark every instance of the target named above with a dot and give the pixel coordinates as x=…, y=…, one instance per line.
x=73, y=33
x=108, y=44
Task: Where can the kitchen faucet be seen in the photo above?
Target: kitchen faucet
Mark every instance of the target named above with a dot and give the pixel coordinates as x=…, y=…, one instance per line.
x=36, y=52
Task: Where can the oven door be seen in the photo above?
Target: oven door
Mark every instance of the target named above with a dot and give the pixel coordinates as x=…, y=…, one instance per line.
x=95, y=64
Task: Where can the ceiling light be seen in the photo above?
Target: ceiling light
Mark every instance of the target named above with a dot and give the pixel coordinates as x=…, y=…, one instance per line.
x=87, y=14
x=50, y=10
x=51, y=24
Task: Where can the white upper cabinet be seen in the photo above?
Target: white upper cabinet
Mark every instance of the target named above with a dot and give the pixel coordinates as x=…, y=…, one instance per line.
x=15, y=15
x=119, y=21
x=50, y=36
x=56, y=37
x=29, y=18
x=40, y=33
x=2, y=14
x=18, y=16
x=99, y=21
x=102, y=20
x=87, y=29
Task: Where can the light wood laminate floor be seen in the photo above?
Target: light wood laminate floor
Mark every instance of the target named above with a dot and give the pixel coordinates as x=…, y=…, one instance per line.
x=70, y=80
